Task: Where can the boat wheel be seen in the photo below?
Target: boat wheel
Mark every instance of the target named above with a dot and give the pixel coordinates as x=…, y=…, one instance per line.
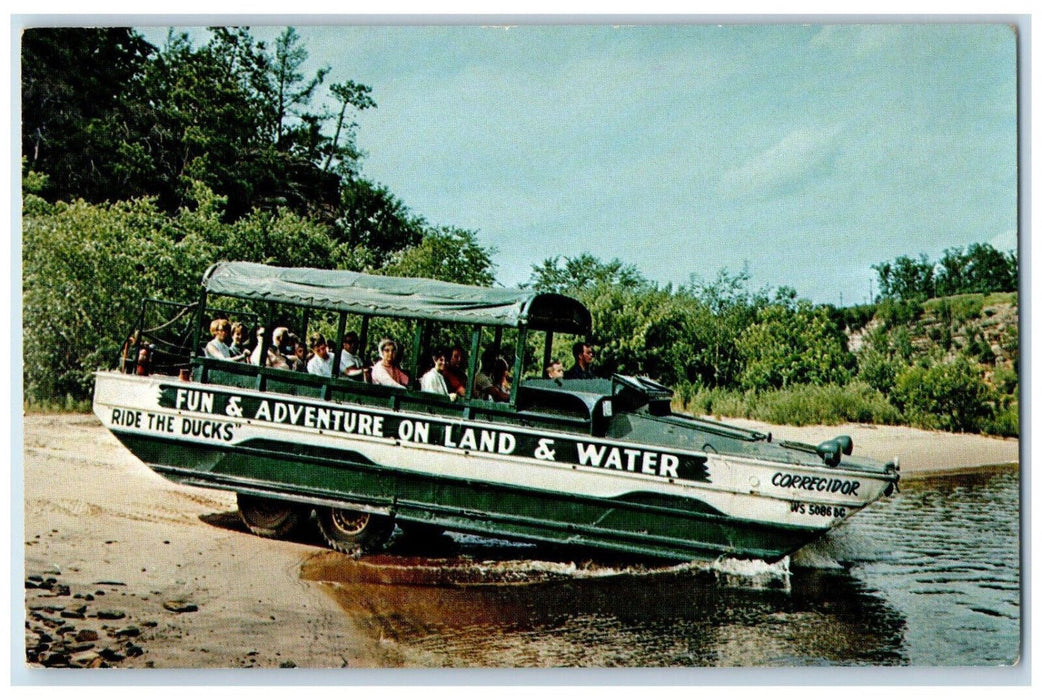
x=349, y=530
x=268, y=517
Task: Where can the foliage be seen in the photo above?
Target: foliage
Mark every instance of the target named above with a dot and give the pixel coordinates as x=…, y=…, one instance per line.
x=950, y=395
x=980, y=269
x=961, y=308
x=878, y=369
x=898, y=312
x=85, y=270
x=448, y=254
x=81, y=94
x=906, y=279
x=794, y=343
x=798, y=405
x=574, y=274
x=725, y=308
x=110, y=117
x=374, y=220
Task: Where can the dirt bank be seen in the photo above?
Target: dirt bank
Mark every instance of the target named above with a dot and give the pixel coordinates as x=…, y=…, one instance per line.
x=124, y=568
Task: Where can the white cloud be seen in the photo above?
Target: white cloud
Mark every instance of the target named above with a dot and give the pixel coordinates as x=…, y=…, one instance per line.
x=799, y=157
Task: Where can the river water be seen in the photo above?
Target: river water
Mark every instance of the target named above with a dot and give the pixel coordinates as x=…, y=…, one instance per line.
x=927, y=578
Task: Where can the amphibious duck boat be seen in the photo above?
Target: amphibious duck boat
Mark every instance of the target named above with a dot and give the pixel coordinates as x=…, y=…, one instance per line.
x=600, y=463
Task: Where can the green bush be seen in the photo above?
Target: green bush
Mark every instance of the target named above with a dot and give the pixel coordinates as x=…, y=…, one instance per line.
x=877, y=370
x=792, y=344
x=1005, y=422
x=948, y=395
x=894, y=313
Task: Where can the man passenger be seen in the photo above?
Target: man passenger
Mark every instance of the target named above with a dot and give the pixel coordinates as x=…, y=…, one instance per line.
x=351, y=364
x=555, y=370
x=321, y=362
x=583, y=367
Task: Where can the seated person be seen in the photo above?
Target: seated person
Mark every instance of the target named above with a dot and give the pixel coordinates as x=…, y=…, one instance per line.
x=274, y=358
x=491, y=383
x=554, y=370
x=455, y=374
x=217, y=348
x=386, y=372
x=299, y=361
x=351, y=365
x=321, y=362
x=583, y=368
x=283, y=341
x=240, y=351
x=434, y=379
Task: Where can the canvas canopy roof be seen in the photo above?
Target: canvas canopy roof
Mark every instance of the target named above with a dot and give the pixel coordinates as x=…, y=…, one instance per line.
x=355, y=292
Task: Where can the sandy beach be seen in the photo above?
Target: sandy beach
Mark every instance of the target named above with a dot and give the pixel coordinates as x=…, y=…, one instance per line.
x=125, y=569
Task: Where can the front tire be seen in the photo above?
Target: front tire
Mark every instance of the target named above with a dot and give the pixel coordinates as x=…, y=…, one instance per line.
x=350, y=530
x=269, y=517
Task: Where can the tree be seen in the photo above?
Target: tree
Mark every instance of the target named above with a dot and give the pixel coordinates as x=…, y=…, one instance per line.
x=374, y=220
x=86, y=269
x=553, y=275
x=342, y=157
x=980, y=269
x=726, y=307
x=84, y=116
x=906, y=279
x=449, y=254
x=292, y=93
x=208, y=123
x=110, y=117
x=794, y=343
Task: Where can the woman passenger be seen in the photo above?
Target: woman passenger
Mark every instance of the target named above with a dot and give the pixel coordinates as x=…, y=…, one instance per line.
x=386, y=371
x=434, y=379
x=218, y=347
x=239, y=349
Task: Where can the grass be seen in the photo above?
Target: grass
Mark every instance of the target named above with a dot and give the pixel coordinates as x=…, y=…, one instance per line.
x=802, y=405
x=67, y=405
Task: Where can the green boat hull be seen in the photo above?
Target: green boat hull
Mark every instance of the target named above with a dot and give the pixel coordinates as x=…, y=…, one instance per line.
x=642, y=523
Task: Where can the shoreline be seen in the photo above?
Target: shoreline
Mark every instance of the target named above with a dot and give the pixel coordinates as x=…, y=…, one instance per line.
x=123, y=568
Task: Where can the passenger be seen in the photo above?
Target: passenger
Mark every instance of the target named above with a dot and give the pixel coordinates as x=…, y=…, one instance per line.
x=434, y=379
x=240, y=351
x=275, y=358
x=299, y=361
x=491, y=382
x=583, y=353
x=351, y=364
x=284, y=342
x=321, y=361
x=554, y=370
x=386, y=372
x=455, y=375
x=218, y=348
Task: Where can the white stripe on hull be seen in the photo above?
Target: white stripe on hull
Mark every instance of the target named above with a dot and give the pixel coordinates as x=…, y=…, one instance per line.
x=738, y=487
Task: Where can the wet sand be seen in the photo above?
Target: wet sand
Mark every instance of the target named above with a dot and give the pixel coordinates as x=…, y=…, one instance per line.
x=125, y=569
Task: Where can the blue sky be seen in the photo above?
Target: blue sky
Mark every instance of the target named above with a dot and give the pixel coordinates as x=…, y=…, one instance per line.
x=806, y=152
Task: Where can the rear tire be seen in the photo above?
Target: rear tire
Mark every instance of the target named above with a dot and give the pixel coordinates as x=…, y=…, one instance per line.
x=269, y=517
x=351, y=530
